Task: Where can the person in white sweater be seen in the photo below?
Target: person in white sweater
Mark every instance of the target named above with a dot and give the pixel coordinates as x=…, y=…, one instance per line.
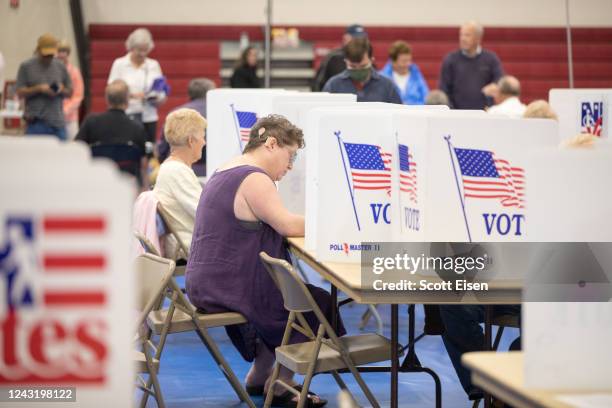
x=177, y=188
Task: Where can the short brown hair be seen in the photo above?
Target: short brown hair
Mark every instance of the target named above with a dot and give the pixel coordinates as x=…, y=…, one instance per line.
x=355, y=49
x=278, y=127
x=398, y=48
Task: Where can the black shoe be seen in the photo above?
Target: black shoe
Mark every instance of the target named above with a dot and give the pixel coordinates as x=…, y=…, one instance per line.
x=475, y=394
x=286, y=400
x=255, y=390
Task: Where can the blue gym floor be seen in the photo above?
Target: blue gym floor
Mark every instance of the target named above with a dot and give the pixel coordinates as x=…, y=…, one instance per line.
x=190, y=378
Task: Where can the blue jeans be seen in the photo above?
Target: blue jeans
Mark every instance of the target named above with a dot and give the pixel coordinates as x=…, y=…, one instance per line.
x=38, y=127
x=464, y=334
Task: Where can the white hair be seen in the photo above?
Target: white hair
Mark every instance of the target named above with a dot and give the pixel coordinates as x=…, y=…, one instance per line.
x=478, y=28
x=140, y=36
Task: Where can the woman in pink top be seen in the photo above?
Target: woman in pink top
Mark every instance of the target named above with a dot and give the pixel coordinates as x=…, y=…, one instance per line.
x=72, y=104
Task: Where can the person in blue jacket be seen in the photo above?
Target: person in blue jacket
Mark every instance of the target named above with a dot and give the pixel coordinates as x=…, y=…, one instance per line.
x=405, y=74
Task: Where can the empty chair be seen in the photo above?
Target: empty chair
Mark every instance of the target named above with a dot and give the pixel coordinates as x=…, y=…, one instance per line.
x=153, y=275
x=181, y=316
x=325, y=352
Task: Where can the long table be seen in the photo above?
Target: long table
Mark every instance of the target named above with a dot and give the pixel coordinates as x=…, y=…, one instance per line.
x=347, y=278
x=501, y=374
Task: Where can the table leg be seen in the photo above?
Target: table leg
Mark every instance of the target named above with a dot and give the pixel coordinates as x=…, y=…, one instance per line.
x=394, y=356
x=334, y=310
x=488, y=314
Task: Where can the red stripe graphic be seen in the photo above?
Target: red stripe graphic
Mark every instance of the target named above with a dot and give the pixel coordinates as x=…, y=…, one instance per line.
x=95, y=262
x=61, y=224
x=72, y=298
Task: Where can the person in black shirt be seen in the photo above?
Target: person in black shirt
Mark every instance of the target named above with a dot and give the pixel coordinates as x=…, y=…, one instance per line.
x=114, y=127
x=245, y=72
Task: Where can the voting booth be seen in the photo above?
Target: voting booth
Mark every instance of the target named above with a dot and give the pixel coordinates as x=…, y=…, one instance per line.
x=348, y=185
x=462, y=176
x=295, y=106
x=582, y=111
x=65, y=273
x=567, y=317
x=231, y=113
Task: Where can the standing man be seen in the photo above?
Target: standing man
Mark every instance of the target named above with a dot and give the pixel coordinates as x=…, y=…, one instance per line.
x=471, y=71
x=333, y=64
x=360, y=78
x=44, y=82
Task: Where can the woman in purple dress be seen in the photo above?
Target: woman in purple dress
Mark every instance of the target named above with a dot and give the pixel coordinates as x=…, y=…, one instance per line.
x=240, y=213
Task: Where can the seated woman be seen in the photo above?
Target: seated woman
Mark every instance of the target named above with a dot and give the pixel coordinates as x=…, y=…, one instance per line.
x=240, y=214
x=177, y=188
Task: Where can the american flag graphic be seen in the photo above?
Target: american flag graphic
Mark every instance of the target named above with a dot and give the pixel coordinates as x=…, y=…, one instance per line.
x=41, y=280
x=370, y=167
x=595, y=129
x=592, y=118
x=487, y=177
x=246, y=120
x=407, y=172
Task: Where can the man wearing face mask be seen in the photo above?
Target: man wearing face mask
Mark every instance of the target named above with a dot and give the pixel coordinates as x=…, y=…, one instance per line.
x=44, y=82
x=360, y=78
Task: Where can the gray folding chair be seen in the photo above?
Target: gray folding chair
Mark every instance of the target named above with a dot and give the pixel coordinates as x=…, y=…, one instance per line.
x=182, y=250
x=325, y=352
x=153, y=274
x=146, y=243
x=181, y=316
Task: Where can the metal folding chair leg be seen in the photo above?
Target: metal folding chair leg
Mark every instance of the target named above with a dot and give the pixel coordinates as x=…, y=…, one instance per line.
x=365, y=318
x=362, y=384
x=223, y=365
x=311, y=368
x=153, y=380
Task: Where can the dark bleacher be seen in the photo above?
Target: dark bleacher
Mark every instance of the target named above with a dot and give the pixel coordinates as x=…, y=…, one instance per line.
x=537, y=56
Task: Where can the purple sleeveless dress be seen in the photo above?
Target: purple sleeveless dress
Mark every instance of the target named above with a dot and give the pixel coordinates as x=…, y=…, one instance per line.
x=224, y=272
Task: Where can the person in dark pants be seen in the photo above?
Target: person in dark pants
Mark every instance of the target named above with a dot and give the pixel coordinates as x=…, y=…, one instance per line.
x=463, y=334
x=44, y=82
x=245, y=72
x=470, y=73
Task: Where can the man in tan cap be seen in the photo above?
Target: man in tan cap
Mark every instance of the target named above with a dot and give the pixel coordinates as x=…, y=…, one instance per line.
x=44, y=81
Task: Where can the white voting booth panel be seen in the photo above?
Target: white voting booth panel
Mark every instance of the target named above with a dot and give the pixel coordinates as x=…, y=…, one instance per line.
x=572, y=204
x=351, y=189
x=231, y=113
x=463, y=178
x=471, y=172
x=68, y=307
x=292, y=187
x=582, y=111
x=315, y=133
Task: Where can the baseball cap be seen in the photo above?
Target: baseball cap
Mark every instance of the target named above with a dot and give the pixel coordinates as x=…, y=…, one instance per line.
x=47, y=44
x=356, y=30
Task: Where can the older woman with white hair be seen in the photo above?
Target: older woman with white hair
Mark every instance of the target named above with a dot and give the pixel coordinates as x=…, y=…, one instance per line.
x=177, y=188
x=140, y=73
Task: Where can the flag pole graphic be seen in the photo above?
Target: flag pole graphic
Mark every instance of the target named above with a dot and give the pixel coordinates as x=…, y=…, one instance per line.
x=237, y=126
x=450, y=152
x=348, y=183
